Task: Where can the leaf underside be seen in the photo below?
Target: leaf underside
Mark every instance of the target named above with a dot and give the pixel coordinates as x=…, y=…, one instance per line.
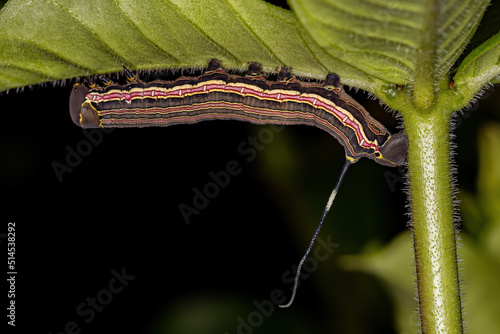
x=369, y=43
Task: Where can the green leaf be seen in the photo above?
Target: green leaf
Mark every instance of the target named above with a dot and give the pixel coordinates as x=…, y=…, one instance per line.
x=369, y=44
x=391, y=264
x=51, y=40
x=479, y=67
x=390, y=39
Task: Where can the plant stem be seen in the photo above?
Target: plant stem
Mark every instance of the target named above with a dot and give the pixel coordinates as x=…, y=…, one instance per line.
x=423, y=88
x=432, y=222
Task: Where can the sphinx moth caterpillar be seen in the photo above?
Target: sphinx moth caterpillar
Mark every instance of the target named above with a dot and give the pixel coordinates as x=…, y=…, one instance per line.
x=217, y=95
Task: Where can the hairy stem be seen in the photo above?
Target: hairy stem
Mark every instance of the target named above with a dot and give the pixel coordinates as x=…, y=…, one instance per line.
x=432, y=222
x=423, y=90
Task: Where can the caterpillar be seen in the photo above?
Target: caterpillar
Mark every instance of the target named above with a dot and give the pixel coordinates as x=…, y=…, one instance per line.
x=217, y=95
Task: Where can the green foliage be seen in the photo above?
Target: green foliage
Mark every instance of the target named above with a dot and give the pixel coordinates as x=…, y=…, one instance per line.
x=58, y=40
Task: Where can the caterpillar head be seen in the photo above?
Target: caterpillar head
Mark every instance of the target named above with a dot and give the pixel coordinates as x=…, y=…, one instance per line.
x=394, y=150
x=82, y=113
